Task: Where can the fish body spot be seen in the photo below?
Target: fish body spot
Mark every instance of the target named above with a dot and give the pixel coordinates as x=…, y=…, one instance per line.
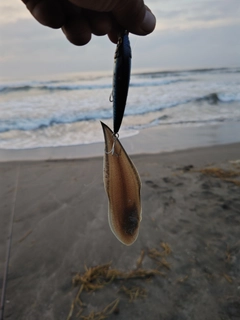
x=131, y=225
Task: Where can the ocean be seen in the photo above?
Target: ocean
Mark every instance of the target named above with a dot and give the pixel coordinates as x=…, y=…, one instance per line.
x=67, y=110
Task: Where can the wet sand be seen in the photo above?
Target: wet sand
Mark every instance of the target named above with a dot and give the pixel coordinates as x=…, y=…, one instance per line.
x=60, y=226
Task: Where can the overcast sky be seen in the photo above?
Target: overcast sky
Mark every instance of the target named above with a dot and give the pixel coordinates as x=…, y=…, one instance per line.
x=189, y=34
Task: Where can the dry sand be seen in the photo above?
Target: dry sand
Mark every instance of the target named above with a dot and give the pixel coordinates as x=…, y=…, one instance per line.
x=61, y=224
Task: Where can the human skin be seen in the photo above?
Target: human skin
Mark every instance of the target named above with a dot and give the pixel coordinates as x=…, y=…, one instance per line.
x=79, y=19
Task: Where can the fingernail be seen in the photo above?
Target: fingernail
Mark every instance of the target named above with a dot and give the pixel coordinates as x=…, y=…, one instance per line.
x=149, y=22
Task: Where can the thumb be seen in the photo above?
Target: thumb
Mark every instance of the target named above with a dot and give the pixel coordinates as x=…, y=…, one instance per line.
x=135, y=17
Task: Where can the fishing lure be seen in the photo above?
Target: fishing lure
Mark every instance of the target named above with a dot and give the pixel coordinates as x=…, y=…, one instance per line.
x=121, y=78
x=122, y=184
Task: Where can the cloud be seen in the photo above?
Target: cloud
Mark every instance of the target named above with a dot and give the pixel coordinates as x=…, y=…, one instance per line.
x=189, y=34
x=12, y=11
x=187, y=14
x=192, y=48
x=29, y=48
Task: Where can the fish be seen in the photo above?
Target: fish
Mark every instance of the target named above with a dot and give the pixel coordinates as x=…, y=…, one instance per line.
x=121, y=78
x=123, y=187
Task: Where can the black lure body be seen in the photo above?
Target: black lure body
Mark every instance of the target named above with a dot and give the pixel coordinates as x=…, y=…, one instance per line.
x=121, y=78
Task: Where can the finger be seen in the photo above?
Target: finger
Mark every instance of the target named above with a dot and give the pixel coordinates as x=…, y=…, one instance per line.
x=130, y=14
x=48, y=12
x=77, y=30
x=99, y=5
x=100, y=22
x=113, y=34
x=135, y=17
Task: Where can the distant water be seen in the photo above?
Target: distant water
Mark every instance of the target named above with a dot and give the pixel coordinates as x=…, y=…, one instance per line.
x=66, y=111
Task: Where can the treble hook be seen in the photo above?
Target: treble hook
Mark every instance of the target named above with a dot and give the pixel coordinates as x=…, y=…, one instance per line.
x=116, y=136
x=111, y=97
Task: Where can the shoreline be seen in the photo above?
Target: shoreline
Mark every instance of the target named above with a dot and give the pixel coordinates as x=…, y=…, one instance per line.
x=153, y=140
x=61, y=226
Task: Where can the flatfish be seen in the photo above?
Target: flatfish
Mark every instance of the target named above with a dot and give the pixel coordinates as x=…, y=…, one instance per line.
x=122, y=184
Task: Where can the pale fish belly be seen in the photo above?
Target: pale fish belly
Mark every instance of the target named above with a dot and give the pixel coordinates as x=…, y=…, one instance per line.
x=122, y=185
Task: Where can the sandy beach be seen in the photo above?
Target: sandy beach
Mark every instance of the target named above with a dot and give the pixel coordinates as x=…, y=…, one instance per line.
x=184, y=264
x=171, y=94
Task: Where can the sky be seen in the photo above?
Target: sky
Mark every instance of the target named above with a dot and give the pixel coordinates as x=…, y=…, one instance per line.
x=189, y=34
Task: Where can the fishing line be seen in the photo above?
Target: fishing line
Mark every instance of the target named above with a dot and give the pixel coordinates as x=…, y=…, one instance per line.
x=9, y=242
x=133, y=46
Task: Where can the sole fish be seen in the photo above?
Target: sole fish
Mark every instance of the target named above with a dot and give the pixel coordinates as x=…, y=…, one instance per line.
x=122, y=184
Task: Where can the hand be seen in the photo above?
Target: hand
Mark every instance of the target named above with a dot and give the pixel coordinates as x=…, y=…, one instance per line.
x=79, y=19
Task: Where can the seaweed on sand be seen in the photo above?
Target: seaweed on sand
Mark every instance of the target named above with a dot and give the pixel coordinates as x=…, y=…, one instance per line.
x=159, y=256
x=225, y=175
x=97, y=277
x=134, y=293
